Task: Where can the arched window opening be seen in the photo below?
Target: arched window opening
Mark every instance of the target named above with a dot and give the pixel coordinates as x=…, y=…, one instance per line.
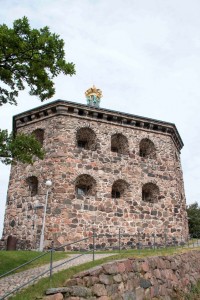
x=119, y=143
x=85, y=185
x=147, y=149
x=119, y=189
x=150, y=192
x=32, y=182
x=82, y=190
x=116, y=194
x=86, y=139
x=39, y=135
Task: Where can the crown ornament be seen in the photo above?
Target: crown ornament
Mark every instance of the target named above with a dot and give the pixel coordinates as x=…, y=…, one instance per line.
x=93, y=96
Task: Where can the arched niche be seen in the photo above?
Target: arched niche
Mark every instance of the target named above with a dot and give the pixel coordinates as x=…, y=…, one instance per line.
x=147, y=149
x=39, y=135
x=85, y=185
x=119, y=189
x=119, y=143
x=150, y=192
x=32, y=183
x=86, y=139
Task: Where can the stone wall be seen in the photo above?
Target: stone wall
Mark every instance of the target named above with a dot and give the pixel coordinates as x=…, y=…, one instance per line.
x=164, y=277
x=139, y=188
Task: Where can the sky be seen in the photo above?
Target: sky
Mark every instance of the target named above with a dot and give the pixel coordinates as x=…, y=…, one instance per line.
x=144, y=56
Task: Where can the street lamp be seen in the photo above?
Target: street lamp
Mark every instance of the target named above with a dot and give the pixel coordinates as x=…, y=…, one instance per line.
x=48, y=184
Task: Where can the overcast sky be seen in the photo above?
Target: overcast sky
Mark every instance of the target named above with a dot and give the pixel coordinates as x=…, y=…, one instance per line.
x=143, y=54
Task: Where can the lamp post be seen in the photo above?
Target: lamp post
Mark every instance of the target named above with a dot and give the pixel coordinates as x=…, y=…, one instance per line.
x=139, y=229
x=165, y=235
x=48, y=184
x=37, y=206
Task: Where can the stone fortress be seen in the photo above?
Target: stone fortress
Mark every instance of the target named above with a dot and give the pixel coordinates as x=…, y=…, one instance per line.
x=109, y=170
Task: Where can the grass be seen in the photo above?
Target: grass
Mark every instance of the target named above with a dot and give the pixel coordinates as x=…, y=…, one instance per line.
x=11, y=259
x=194, y=293
x=37, y=290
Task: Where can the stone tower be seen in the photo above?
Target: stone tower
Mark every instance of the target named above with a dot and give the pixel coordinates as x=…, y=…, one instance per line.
x=109, y=170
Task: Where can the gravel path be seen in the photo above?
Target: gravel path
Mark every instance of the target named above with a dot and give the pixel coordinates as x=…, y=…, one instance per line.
x=9, y=283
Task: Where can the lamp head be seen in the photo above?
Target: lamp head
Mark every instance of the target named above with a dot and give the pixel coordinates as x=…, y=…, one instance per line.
x=48, y=183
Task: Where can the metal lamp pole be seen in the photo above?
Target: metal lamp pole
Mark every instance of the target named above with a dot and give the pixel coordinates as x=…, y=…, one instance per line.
x=48, y=184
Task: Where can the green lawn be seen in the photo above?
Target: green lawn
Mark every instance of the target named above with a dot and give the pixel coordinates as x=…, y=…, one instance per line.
x=11, y=259
x=37, y=290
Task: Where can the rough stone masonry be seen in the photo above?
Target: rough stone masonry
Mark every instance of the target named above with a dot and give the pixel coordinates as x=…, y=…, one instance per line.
x=109, y=170
x=158, y=277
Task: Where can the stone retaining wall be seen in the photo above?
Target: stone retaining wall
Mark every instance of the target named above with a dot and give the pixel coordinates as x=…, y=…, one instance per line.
x=163, y=277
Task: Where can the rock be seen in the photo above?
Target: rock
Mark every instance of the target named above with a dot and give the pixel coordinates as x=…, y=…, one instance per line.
x=139, y=292
x=112, y=289
x=136, y=267
x=167, y=298
x=111, y=268
x=129, y=296
x=121, y=288
x=154, y=290
x=94, y=279
x=147, y=294
x=96, y=271
x=90, y=280
x=53, y=291
x=125, y=276
x=80, y=291
x=160, y=263
x=121, y=267
x=70, y=282
x=58, y=296
x=117, y=297
x=157, y=273
x=145, y=266
x=99, y=290
x=72, y=298
x=163, y=290
x=93, y=271
x=144, y=283
x=117, y=278
x=128, y=265
x=106, y=279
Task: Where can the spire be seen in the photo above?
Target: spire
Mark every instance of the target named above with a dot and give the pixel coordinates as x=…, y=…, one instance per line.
x=93, y=96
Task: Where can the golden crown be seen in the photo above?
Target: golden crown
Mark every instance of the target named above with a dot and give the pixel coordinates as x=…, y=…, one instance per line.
x=94, y=91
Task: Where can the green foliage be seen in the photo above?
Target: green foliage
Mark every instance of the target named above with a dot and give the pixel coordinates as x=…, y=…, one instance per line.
x=21, y=148
x=194, y=293
x=193, y=211
x=30, y=56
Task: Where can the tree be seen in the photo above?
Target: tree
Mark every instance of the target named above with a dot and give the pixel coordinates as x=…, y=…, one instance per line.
x=30, y=56
x=27, y=57
x=21, y=148
x=193, y=211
